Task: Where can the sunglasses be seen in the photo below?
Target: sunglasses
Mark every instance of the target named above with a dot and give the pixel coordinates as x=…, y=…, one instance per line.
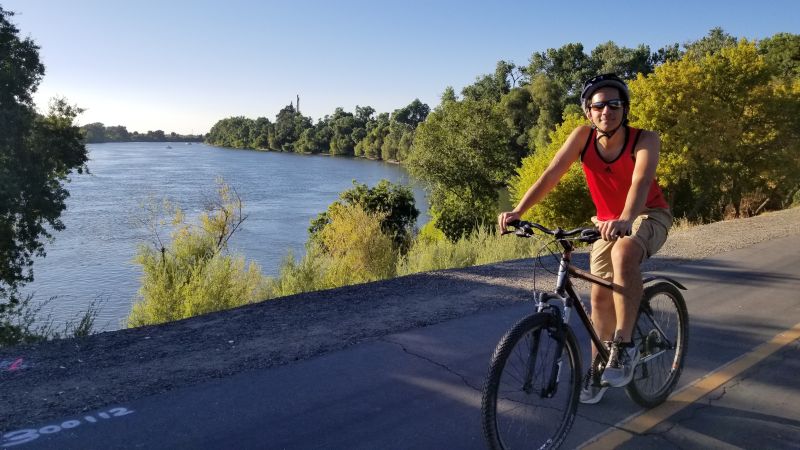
x=613, y=104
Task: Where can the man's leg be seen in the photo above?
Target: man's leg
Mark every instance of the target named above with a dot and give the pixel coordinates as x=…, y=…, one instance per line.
x=626, y=257
x=624, y=356
x=604, y=317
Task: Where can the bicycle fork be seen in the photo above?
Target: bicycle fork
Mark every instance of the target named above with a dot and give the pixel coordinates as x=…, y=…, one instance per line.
x=556, y=330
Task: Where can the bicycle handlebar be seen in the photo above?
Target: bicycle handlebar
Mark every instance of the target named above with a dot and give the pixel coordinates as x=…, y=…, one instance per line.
x=525, y=229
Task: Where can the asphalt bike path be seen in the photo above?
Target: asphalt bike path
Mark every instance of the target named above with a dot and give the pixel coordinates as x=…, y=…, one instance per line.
x=421, y=388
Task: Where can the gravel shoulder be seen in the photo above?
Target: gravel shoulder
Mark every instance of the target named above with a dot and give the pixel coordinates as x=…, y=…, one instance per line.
x=65, y=377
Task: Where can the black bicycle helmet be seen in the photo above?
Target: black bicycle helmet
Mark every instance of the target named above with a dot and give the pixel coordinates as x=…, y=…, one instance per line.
x=607, y=79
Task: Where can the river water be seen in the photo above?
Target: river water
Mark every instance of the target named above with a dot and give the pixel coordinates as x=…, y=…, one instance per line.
x=92, y=258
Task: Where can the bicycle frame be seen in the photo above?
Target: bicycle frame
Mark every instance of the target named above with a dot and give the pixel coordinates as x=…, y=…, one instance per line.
x=565, y=291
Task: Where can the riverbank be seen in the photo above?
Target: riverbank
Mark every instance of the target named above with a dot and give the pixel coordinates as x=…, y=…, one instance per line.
x=92, y=258
x=65, y=377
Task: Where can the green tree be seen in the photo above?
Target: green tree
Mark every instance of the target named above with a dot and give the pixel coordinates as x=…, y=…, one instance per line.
x=491, y=87
x=412, y=114
x=376, y=132
x=259, y=133
x=315, y=139
x=449, y=95
x=37, y=154
x=95, y=132
x=716, y=40
x=625, y=62
x=462, y=151
x=120, y=134
x=548, y=102
x=728, y=130
x=392, y=202
x=782, y=53
x=342, y=123
x=569, y=203
x=567, y=66
x=234, y=132
x=289, y=125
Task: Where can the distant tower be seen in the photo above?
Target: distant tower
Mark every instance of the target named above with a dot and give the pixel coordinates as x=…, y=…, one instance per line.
x=298, y=103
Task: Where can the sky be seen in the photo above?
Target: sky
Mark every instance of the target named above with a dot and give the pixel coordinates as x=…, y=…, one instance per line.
x=181, y=66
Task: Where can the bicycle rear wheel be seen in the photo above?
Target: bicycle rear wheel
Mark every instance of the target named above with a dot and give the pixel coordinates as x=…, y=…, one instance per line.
x=520, y=409
x=661, y=332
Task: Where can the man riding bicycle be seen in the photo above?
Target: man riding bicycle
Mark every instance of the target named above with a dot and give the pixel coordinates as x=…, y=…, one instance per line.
x=633, y=217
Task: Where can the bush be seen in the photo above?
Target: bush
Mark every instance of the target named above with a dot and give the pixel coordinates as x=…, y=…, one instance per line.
x=357, y=248
x=479, y=247
x=194, y=274
x=22, y=323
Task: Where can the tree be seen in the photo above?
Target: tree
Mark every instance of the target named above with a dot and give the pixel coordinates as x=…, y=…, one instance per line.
x=376, y=132
x=289, y=125
x=569, y=203
x=232, y=132
x=315, y=139
x=37, y=154
x=782, y=53
x=259, y=133
x=412, y=114
x=492, y=87
x=567, y=66
x=625, y=62
x=728, y=130
x=393, y=203
x=95, y=132
x=548, y=106
x=716, y=40
x=449, y=95
x=462, y=151
x=342, y=123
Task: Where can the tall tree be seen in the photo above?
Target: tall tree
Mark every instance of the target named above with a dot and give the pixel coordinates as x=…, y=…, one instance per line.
x=37, y=154
x=462, y=151
x=727, y=130
x=412, y=114
x=289, y=125
x=394, y=203
x=716, y=40
x=782, y=53
x=625, y=62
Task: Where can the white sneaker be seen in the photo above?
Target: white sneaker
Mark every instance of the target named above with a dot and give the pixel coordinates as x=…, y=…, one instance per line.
x=592, y=392
x=621, y=364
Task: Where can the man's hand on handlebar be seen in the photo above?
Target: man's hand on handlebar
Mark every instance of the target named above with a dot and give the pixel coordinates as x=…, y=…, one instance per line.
x=613, y=229
x=505, y=218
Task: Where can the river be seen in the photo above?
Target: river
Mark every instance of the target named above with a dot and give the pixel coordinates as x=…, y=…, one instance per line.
x=93, y=257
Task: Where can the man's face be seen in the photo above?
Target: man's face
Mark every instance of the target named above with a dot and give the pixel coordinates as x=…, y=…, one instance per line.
x=603, y=115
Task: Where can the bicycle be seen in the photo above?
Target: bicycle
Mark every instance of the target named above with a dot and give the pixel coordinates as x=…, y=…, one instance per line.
x=531, y=392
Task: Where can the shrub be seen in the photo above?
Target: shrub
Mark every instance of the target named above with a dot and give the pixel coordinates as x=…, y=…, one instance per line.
x=194, y=274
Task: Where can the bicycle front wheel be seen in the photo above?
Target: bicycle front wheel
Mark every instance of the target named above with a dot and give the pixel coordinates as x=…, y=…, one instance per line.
x=531, y=394
x=662, y=333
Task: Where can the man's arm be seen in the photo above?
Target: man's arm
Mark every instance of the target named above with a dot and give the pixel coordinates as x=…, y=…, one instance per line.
x=564, y=158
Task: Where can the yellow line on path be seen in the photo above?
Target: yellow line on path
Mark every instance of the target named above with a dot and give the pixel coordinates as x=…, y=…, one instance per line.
x=641, y=422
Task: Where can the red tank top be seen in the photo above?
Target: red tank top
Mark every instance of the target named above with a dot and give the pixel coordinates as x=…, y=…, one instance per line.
x=610, y=181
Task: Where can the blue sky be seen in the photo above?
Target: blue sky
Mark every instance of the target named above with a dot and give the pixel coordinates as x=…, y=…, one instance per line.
x=182, y=65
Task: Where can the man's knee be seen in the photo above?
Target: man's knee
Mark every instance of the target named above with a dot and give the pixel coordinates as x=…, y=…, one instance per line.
x=626, y=255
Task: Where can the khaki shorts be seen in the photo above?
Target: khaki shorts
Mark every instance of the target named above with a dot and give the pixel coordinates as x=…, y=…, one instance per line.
x=649, y=230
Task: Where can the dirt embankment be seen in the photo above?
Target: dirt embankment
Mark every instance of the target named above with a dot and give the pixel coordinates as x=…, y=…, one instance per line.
x=60, y=378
